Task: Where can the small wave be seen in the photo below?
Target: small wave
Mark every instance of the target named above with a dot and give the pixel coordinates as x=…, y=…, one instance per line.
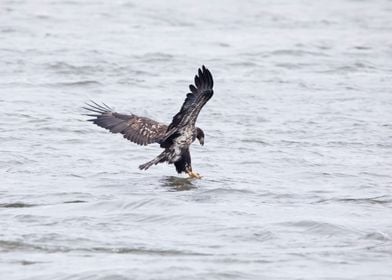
x=228, y=191
x=382, y=200
x=66, y=68
x=244, y=64
x=386, y=176
x=25, y=262
x=362, y=48
x=322, y=228
x=8, y=30
x=381, y=236
x=16, y=205
x=256, y=141
x=330, y=229
x=74, y=84
x=144, y=251
x=10, y=246
x=351, y=68
x=157, y=57
x=249, y=234
x=345, y=144
x=75, y=201
x=299, y=53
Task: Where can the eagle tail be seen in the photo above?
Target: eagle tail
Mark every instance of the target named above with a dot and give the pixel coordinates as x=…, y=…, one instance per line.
x=158, y=159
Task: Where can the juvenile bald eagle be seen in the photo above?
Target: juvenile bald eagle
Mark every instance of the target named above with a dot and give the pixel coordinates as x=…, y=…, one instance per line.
x=174, y=138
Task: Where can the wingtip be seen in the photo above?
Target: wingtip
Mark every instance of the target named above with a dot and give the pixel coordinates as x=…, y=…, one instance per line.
x=204, y=76
x=192, y=88
x=98, y=108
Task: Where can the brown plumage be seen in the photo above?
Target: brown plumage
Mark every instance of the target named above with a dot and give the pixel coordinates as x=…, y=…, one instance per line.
x=174, y=138
x=139, y=130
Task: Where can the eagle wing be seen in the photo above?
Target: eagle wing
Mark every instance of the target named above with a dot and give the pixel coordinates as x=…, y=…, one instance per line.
x=200, y=93
x=140, y=130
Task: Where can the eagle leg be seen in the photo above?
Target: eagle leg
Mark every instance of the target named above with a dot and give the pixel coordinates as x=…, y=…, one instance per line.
x=194, y=175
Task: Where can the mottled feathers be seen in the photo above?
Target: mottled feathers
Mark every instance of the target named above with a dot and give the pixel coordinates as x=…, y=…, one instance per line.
x=140, y=130
x=200, y=93
x=174, y=138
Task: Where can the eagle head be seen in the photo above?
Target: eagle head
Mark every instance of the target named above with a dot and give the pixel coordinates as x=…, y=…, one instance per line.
x=200, y=135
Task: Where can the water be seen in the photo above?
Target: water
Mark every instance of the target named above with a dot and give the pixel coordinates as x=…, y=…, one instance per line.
x=296, y=165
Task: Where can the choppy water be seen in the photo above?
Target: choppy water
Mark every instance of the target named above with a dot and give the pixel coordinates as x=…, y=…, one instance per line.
x=297, y=162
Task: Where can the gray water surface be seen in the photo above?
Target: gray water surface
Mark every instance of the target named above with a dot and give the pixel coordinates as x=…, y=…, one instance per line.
x=297, y=160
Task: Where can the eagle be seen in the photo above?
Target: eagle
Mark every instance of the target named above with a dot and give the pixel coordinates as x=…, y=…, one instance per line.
x=174, y=138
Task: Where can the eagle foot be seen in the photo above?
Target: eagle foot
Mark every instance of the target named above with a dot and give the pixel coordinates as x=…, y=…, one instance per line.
x=194, y=175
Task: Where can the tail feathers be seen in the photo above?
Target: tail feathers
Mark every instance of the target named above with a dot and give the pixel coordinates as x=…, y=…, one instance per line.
x=147, y=165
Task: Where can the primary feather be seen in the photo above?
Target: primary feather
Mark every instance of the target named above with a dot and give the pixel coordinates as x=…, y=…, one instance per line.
x=140, y=130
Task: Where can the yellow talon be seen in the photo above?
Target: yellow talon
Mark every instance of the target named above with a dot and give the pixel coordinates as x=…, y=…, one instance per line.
x=194, y=175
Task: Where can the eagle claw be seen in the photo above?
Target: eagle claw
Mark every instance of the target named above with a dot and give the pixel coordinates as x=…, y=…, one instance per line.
x=194, y=175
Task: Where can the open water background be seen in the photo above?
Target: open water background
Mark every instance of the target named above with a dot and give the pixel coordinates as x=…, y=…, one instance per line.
x=297, y=162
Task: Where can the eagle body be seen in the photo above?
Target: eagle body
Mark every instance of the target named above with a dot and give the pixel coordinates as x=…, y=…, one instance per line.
x=178, y=152
x=174, y=138
x=181, y=143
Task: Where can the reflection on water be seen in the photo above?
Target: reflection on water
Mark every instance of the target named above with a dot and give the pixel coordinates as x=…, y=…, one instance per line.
x=174, y=183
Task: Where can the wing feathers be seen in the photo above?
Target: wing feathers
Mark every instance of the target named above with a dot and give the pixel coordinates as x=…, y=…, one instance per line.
x=200, y=93
x=139, y=130
x=143, y=130
x=192, y=89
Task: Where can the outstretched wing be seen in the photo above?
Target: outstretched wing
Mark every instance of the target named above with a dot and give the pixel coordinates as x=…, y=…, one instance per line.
x=140, y=130
x=200, y=93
